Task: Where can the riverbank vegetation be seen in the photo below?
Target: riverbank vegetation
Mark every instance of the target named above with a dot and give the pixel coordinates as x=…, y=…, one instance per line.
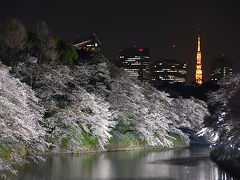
x=222, y=124
x=223, y=120
x=55, y=99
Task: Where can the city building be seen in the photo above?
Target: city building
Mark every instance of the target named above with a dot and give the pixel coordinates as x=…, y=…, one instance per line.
x=199, y=64
x=90, y=44
x=168, y=71
x=135, y=61
x=221, y=67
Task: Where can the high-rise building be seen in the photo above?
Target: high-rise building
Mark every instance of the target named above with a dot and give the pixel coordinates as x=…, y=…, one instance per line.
x=221, y=67
x=135, y=61
x=168, y=71
x=199, y=64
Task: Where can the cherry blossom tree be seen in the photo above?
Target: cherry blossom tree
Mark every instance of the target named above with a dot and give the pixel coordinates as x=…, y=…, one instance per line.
x=223, y=124
x=86, y=98
x=20, y=118
x=156, y=115
x=72, y=109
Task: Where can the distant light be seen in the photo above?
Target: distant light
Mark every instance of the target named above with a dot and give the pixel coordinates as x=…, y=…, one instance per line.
x=94, y=34
x=173, y=45
x=140, y=50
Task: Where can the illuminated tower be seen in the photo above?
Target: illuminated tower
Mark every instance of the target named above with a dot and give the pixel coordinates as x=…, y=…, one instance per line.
x=199, y=64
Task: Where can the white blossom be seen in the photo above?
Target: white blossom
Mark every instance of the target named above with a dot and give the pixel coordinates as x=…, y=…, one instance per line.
x=20, y=115
x=222, y=124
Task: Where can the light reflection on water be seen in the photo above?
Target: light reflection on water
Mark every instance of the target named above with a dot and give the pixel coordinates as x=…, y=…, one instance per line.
x=185, y=164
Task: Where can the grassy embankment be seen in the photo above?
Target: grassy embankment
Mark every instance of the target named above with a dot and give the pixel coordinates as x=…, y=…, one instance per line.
x=123, y=138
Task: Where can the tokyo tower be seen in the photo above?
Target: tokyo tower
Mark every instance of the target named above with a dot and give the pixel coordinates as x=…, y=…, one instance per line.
x=199, y=64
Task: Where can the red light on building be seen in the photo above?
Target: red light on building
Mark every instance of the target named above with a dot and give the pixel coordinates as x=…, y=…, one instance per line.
x=140, y=50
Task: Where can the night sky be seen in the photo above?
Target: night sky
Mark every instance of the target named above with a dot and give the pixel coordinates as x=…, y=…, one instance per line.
x=153, y=24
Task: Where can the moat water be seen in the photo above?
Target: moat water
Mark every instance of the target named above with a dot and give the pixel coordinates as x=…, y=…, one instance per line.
x=185, y=164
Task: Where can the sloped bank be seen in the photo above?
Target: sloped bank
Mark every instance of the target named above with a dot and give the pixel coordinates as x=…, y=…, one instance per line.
x=88, y=108
x=126, y=142
x=222, y=125
x=231, y=165
x=90, y=100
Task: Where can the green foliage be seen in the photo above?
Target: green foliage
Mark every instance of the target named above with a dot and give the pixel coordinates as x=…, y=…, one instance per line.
x=5, y=151
x=62, y=101
x=48, y=114
x=87, y=140
x=131, y=117
x=14, y=35
x=123, y=134
x=236, y=156
x=47, y=43
x=67, y=52
x=127, y=137
x=119, y=137
x=13, y=38
x=114, y=70
x=53, y=140
x=172, y=137
x=33, y=44
x=6, y=55
x=156, y=135
x=116, y=137
x=64, y=142
x=175, y=138
x=122, y=126
x=142, y=141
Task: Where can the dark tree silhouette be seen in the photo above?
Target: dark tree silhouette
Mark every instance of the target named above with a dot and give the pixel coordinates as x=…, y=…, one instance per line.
x=223, y=123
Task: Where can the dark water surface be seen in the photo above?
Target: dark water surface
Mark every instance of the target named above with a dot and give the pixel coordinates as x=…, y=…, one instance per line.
x=186, y=164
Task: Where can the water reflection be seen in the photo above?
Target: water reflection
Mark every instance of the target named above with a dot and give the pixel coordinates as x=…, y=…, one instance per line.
x=186, y=164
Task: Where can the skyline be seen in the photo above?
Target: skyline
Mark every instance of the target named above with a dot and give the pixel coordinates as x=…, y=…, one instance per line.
x=119, y=89
x=155, y=25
